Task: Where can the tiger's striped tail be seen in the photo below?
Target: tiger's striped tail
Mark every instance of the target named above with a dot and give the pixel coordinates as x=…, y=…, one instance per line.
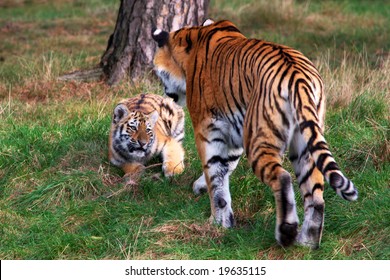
x=319, y=150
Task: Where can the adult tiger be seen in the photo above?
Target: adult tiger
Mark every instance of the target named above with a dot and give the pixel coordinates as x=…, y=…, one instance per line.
x=259, y=96
x=145, y=126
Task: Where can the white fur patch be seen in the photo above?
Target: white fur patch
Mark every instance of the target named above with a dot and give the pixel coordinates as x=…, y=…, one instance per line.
x=208, y=22
x=157, y=31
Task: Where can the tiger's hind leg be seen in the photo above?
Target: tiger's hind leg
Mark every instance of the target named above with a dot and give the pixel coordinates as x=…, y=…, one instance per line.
x=264, y=154
x=311, y=185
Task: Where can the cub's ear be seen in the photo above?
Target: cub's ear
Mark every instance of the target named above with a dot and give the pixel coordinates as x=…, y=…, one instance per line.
x=153, y=117
x=208, y=22
x=160, y=36
x=120, y=112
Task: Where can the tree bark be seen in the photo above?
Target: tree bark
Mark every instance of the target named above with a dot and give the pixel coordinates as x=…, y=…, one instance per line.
x=130, y=49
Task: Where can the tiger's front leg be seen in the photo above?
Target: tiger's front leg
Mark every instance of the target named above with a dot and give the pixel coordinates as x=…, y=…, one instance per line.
x=219, y=160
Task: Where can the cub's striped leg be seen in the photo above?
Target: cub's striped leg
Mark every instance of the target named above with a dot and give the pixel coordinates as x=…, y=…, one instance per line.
x=219, y=160
x=311, y=185
x=265, y=159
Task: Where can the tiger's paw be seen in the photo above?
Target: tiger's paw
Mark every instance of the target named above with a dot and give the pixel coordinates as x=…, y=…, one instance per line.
x=223, y=215
x=226, y=220
x=172, y=168
x=200, y=185
x=286, y=233
x=310, y=239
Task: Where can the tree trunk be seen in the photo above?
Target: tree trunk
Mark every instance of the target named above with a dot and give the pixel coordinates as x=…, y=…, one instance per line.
x=131, y=48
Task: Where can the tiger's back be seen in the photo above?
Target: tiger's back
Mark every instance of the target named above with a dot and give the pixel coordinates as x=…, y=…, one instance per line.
x=145, y=126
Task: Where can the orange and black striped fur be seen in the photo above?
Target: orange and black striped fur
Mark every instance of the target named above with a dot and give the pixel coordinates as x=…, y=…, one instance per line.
x=145, y=126
x=262, y=97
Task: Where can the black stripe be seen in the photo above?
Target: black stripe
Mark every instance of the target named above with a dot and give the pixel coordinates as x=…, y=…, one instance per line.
x=349, y=193
x=224, y=161
x=321, y=159
x=321, y=145
x=220, y=175
x=262, y=170
x=168, y=108
x=264, y=153
x=207, y=36
x=285, y=121
x=269, y=146
x=272, y=126
x=189, y=43
x=346, y=186
x=306, y=196
x=274, y=167
x=312, y=125
x=310, y=109
x=317, y=187
x=307, y=175
x=193, y=77
x=308, y=124
x=220, y=140
x=331, y=166
x=285, y=182
x=203, y=138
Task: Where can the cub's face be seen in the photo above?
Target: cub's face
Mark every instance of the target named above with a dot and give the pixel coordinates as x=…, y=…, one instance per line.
x=133, y=133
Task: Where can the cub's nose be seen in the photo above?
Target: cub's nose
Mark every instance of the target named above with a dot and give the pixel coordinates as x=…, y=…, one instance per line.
x=142, y=143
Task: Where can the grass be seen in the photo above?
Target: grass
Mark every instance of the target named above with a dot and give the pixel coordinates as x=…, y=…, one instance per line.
x=61, y=199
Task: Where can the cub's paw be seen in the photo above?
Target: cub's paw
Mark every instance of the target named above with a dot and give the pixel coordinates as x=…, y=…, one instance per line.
x=133, y=172
x=172, y=168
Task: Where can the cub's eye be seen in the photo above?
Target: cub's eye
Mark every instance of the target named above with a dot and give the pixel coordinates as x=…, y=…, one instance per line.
x=132, y=127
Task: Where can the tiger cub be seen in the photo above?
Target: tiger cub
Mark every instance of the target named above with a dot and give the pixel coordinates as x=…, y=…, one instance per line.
x=262, y=98
x=145, y=126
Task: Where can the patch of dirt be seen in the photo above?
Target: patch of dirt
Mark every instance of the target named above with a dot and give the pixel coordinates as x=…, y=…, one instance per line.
x=276, y=252
x=176, y=230
x=20, y=3
x=45, y=91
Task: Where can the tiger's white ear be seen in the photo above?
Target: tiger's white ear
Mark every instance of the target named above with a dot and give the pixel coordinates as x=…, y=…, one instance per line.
x=207, y=22
x=120, y=112
x=153, y=117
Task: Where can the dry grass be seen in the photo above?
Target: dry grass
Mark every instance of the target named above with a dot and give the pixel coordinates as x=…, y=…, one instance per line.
x=353, y=77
